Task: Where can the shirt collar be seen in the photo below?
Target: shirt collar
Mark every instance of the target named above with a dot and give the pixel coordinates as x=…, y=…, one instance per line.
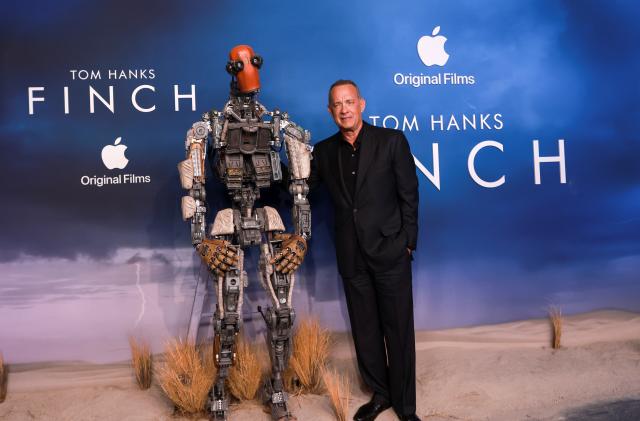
x=358, y=142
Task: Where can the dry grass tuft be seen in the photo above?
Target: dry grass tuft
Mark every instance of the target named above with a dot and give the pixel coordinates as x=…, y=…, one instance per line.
x=142, y=362
x=555, y=317
x=307, y=363
x=4, y=377
x=246, y=374
x=339, y=392
x=187, y=375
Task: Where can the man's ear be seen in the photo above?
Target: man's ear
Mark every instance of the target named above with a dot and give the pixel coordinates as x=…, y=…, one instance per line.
x=363, y=104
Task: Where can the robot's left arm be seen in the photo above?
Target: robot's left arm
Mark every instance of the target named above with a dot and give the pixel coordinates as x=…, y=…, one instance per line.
x=299, y=153
x=294, y=246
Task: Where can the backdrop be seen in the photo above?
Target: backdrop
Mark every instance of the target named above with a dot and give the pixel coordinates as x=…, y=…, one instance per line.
x=522, y=116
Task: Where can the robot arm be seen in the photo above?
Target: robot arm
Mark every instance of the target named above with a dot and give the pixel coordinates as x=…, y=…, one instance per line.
x=192, y=178
x=298, y=149
x=294, y=246
x=216, y=253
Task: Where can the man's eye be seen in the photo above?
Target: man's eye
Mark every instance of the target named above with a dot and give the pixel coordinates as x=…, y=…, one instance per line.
x=350, y=102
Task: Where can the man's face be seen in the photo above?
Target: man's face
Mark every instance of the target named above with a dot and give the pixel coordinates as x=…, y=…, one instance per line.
x=346, y=108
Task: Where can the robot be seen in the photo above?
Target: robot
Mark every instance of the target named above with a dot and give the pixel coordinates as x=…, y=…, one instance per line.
x=242, y=144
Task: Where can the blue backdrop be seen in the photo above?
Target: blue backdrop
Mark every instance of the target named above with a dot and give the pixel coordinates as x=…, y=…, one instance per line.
x=98, y=262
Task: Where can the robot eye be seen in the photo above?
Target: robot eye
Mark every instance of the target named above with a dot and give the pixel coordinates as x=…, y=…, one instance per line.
x=256, y=61
x=229, y=67
x=234, y=67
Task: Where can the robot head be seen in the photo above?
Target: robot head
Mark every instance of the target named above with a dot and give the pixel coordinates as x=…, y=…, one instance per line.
x=243, y=64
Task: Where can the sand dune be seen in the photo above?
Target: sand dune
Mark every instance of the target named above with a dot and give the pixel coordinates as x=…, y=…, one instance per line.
x=495, y=372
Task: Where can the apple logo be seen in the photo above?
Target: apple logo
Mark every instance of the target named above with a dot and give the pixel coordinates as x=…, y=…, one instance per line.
x=113, y=155
x=431, y=49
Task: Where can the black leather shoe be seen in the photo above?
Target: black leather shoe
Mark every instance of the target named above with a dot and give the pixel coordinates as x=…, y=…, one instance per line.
x=409, y=418
x=370, y=410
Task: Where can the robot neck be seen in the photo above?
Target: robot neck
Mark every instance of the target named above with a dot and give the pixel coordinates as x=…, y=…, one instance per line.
x=245, y=97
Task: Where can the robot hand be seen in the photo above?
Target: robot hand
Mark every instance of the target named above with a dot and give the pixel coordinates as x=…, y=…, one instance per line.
x=218, y=255
x=290, y=256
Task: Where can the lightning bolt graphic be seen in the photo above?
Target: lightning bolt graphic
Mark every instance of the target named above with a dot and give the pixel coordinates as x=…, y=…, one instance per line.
x=144, y=299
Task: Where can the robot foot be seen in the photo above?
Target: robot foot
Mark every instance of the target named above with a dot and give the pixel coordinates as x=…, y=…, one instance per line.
x=218, y=415
x=218, y=409
x=277, y=401
x=280, y=412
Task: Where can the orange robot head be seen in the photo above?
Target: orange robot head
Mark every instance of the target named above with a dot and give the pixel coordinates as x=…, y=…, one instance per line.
x=244, y=64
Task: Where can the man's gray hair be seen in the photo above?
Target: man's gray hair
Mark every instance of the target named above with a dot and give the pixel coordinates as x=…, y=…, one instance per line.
x=341, y=82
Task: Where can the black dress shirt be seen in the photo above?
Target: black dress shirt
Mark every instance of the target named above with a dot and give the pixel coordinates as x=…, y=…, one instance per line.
x=350, y=157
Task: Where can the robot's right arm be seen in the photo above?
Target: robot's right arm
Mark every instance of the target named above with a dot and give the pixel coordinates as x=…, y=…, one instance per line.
x=216, y=253
x=192, y=178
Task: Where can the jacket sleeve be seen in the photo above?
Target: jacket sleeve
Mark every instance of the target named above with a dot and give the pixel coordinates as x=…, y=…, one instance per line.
x=404, y=169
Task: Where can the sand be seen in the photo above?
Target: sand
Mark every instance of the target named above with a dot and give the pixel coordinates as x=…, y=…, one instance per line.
x=496, y=372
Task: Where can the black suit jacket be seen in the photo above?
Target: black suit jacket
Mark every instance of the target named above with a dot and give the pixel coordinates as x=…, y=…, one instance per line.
x=381, y=220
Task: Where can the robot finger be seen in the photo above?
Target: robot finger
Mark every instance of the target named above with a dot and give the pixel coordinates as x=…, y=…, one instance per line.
x=218, y=259
x=219, y=262
x=291, y=267
x=222, y=266
x=230, y=252
x=277, y=257
x=282, y=265
x=288, y=256
x=212, y=262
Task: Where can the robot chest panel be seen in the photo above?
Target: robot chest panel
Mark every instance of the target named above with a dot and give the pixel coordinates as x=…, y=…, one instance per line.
x=242, y=140
x=238, y=170
x=248, y=159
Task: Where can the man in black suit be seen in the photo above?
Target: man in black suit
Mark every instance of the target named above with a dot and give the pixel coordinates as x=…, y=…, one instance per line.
x=370, y=174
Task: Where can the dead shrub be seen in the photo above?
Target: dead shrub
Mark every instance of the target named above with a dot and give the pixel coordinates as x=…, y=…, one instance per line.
x=339, y=392
x=187, y=375
x=555, y=317
x=246, y=373
x=4, y=379
x=307, y=363
x=142, y=362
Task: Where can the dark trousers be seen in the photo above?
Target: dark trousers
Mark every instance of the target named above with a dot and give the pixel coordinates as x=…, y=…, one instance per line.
x=381, y=311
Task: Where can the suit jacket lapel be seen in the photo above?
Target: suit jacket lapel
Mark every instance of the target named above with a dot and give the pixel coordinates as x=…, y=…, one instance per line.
x=367, y=153
x=338, y=155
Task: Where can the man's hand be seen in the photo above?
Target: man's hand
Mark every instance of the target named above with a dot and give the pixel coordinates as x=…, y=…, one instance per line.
x=218, y=255
x=290, y=256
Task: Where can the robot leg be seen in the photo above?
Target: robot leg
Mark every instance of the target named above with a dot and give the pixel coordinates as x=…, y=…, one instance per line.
x=279, y=317
x=227, y=322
